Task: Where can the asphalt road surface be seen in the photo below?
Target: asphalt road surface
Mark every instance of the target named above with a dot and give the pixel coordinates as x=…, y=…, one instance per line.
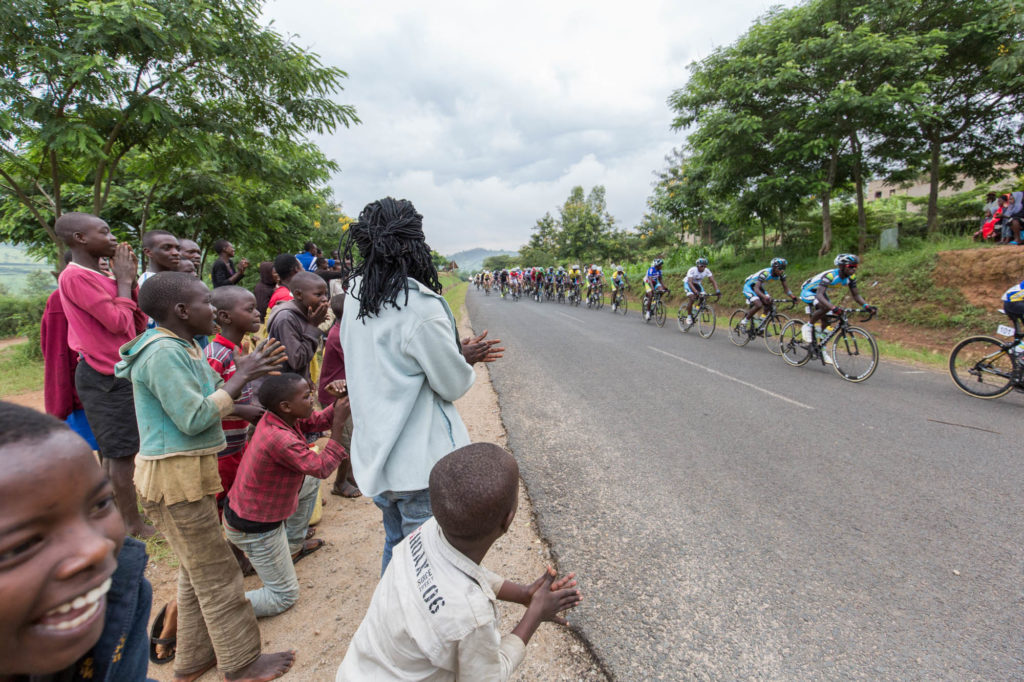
x=732, y=517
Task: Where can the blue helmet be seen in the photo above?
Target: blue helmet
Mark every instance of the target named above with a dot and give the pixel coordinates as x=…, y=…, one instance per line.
x=702, y=261
x=779, y=263
x=846, y=259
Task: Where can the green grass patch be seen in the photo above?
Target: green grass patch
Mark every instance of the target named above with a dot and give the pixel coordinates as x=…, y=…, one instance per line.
x=20, y=373
x=456, y=297
x=160, y=552
x=890, y=350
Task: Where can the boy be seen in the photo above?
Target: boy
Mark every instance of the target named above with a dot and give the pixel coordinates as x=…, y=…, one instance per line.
x=179, y=402
x=333, y=369
x=161, y=250
x=286, y=266
x=295, y=323
x=267, y=512
x=236, y=316
x=103, y=315
x=73, y=597
x=433, y=614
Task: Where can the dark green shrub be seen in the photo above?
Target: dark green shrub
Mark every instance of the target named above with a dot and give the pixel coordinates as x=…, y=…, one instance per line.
x=16, y=313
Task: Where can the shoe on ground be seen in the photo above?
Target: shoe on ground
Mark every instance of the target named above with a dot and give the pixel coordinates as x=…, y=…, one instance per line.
x=825, y=356
x=647, y=315
x=807, y=333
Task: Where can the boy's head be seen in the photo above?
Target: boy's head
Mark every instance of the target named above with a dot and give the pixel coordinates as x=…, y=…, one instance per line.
x=224, y=247
x=309, y=247
x=86, y=232
x=190, y=251
x=60, y=535
x=236, y=309
x=161, y=248
x=338, y=306
x=309, y=290
x=178, y=300
x=286, y=265
x=474, y=492
x=287, y=395
x=188, y=267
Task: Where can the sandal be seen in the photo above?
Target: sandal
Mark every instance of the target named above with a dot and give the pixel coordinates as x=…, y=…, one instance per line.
x=310, y=532
x=154, y=639
x=308, y=547
x=346, y=490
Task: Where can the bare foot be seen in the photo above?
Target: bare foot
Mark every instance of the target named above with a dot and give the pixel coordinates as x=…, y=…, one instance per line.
x=266, y=667
x=142, y=531
x=192, y=677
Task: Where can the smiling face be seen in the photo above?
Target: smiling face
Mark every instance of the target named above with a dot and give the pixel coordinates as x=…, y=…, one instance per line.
x=60, y=535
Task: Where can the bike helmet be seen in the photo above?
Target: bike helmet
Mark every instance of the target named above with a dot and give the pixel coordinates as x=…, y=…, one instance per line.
x=846, y=259
x=779, y=263
x=550, y=269
x=620, y=269
x=657, y=263
x=702, y=261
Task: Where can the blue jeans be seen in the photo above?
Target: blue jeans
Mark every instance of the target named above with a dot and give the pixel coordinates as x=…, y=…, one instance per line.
x=403, y=513
x=271, y=555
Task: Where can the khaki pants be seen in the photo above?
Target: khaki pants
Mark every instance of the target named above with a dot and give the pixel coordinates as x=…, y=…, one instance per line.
x=215, y=620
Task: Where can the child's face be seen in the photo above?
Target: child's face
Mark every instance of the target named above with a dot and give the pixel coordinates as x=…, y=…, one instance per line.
x=243, y=316
x=164, y=252
x=300, y=403
x=315, y=297
x=97, y=239
x=60, y=535
x=199, y=311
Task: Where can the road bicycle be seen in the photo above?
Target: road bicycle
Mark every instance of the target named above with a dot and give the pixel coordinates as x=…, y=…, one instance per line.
x=487, y=288
x=985, y=367
x=655, y=310
x=767, y=325
x=574, y=295
x=503, y=289
x=515, y=291
x=595, y=297
x=549, y=291
x=853, y=351
x=560, y=292
x=703, y=316
x=619, y=304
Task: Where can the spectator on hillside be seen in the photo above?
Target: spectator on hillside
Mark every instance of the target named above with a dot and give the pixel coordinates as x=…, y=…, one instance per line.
x=404, y=366
x=1013, y=211
x=190, y=251
x=991, y=204
x=308, y=257
x=990, y=226
x=264, y=288
x=223, y=272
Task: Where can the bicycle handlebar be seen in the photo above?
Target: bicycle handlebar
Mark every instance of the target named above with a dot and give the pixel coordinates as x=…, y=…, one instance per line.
x=848, y=311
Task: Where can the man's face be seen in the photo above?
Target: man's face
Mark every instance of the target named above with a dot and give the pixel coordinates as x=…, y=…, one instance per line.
x=60, y=535
x=97, y=239
x=164, y=252
x=190, y=251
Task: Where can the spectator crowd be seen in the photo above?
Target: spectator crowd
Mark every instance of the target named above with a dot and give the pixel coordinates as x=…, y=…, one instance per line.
x=215, y=415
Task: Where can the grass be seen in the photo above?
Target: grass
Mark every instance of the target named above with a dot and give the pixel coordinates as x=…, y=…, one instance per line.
x=454, y=291
x=891, y=350
x=20, y=375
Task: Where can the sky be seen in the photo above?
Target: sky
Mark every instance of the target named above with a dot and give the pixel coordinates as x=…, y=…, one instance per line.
x=486, y=114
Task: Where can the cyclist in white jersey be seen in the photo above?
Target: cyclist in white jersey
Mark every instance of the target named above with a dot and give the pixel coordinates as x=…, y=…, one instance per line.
x=694, y=276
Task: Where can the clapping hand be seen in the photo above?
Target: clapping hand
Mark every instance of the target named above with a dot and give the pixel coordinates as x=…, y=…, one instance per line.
x=265, y=359
x=479, y=349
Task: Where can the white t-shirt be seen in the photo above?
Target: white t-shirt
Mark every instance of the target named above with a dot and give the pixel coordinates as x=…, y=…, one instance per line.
x=696, y=275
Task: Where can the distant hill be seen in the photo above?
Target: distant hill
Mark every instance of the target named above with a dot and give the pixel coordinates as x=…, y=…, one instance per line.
x=473, y=259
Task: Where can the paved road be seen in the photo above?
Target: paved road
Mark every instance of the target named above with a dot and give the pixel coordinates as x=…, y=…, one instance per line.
x=793, y=526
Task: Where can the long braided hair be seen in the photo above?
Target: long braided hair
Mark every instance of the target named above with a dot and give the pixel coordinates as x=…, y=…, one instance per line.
x=389, y=237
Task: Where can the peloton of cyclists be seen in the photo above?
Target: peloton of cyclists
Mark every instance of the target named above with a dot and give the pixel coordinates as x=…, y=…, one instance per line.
x=753, y=288
x=652, y=283
x=814, y=293
x=692, y=284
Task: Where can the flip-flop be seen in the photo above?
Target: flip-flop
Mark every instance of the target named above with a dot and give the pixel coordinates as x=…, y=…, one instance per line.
x=310, y=532
x=350, y=491
x=308, y=547
x=154, y=639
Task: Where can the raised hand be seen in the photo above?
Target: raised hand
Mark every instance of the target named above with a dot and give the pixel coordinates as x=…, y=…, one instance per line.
x=480, y=349
x=337, y=388
x=265, y=359
x=316, y=316
x=124, y=264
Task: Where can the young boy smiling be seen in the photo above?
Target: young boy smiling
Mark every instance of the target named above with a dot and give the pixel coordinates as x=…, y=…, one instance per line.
x=73, y=599
x=179, y=403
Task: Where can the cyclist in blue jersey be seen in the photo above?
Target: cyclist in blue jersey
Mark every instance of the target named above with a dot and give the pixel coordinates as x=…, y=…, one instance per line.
x=753, y=287
x=1013, y=306
x=814, y=293
x=652, y=283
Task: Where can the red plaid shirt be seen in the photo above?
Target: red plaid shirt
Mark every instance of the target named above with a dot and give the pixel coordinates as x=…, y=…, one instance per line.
x=266, y=489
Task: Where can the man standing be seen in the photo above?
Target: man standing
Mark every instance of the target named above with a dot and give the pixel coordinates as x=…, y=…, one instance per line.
x=308, y=257
x=404, y=366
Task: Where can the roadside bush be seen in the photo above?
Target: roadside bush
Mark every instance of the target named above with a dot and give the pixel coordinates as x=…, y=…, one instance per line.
x=17, y=313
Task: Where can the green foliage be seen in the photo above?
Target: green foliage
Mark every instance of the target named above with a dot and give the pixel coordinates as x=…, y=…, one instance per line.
x=20, y=375
x=38, y=283
x=500, y=262
x=17, y=313
x=31, y=351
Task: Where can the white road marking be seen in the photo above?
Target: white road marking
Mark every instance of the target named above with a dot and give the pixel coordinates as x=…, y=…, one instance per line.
x=731, y=378
x=574, y=319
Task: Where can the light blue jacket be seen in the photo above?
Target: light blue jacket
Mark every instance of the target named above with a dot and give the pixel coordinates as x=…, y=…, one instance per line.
x=178, y=400
x=404, y=369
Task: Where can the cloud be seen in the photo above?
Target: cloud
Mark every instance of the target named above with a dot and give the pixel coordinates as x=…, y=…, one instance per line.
x=486, y=115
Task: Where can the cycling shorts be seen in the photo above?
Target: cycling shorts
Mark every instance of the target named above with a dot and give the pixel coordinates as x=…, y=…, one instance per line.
x=691, y=292
x=648, y=287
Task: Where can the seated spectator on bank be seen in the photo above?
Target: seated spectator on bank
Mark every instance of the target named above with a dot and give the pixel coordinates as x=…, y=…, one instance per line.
x=224, y=272
x=268, y=509
x=333, y=369
x=990, y=227
x=264, y=288
x=1013, y=211
x=286, y=266
x=475, y=492
x=75, y=597
x=295, y=322
x=307, y=259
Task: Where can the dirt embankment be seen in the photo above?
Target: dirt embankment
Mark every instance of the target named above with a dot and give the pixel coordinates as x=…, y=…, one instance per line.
x=982, y=275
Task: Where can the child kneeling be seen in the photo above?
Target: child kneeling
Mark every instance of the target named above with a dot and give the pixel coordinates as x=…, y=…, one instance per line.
x=433, y=614
x=267, y=511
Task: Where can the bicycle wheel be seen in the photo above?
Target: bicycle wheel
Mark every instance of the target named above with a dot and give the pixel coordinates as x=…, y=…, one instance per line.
x=623, y=305
x=795, y=351
x=706, y=321
x=659, y=313
x=737, y=334
x=681, y=319
x=854, y=354
x=981, y=367
x=600, y=299
x=773, y=334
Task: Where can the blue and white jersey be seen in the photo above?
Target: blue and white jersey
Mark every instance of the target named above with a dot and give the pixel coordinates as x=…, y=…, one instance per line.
x=827, y=279
x=761, y=276
x=653, y=275
x=1014, y=293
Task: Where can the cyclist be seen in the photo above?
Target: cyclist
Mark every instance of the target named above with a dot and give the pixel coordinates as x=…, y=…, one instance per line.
x=814, y=293
x=619, y=281
x=693, y=286
x=560, y=277
x=537, y=278
x=575, y=276
x=753, y=287
x=652, y=283
x=515, y=279
x=1013, y=306
x=595, y=279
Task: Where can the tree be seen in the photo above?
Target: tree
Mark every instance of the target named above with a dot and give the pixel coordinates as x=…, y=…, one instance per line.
x=38, y=283
x=87, y=85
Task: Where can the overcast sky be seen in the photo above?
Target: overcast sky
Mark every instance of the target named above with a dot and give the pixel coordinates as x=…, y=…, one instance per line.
x=485, y=115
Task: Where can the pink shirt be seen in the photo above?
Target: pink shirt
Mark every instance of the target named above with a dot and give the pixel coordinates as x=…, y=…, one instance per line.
x=99, y=321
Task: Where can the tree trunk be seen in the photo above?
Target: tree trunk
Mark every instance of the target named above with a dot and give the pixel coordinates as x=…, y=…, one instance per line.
x=858, y=181
x=826, y=208
x=933, y=186
x=764, y=237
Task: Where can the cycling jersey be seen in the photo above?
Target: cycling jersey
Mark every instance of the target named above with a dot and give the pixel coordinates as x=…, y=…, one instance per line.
x=697, y=276
x=760, y=277
x=827, y=279
x=1015, y=293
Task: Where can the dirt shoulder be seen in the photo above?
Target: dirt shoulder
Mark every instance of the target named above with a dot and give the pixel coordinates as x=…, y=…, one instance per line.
x=338, y=581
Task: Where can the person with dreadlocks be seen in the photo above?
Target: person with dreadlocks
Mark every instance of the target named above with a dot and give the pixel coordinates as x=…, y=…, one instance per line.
x=404, y=365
